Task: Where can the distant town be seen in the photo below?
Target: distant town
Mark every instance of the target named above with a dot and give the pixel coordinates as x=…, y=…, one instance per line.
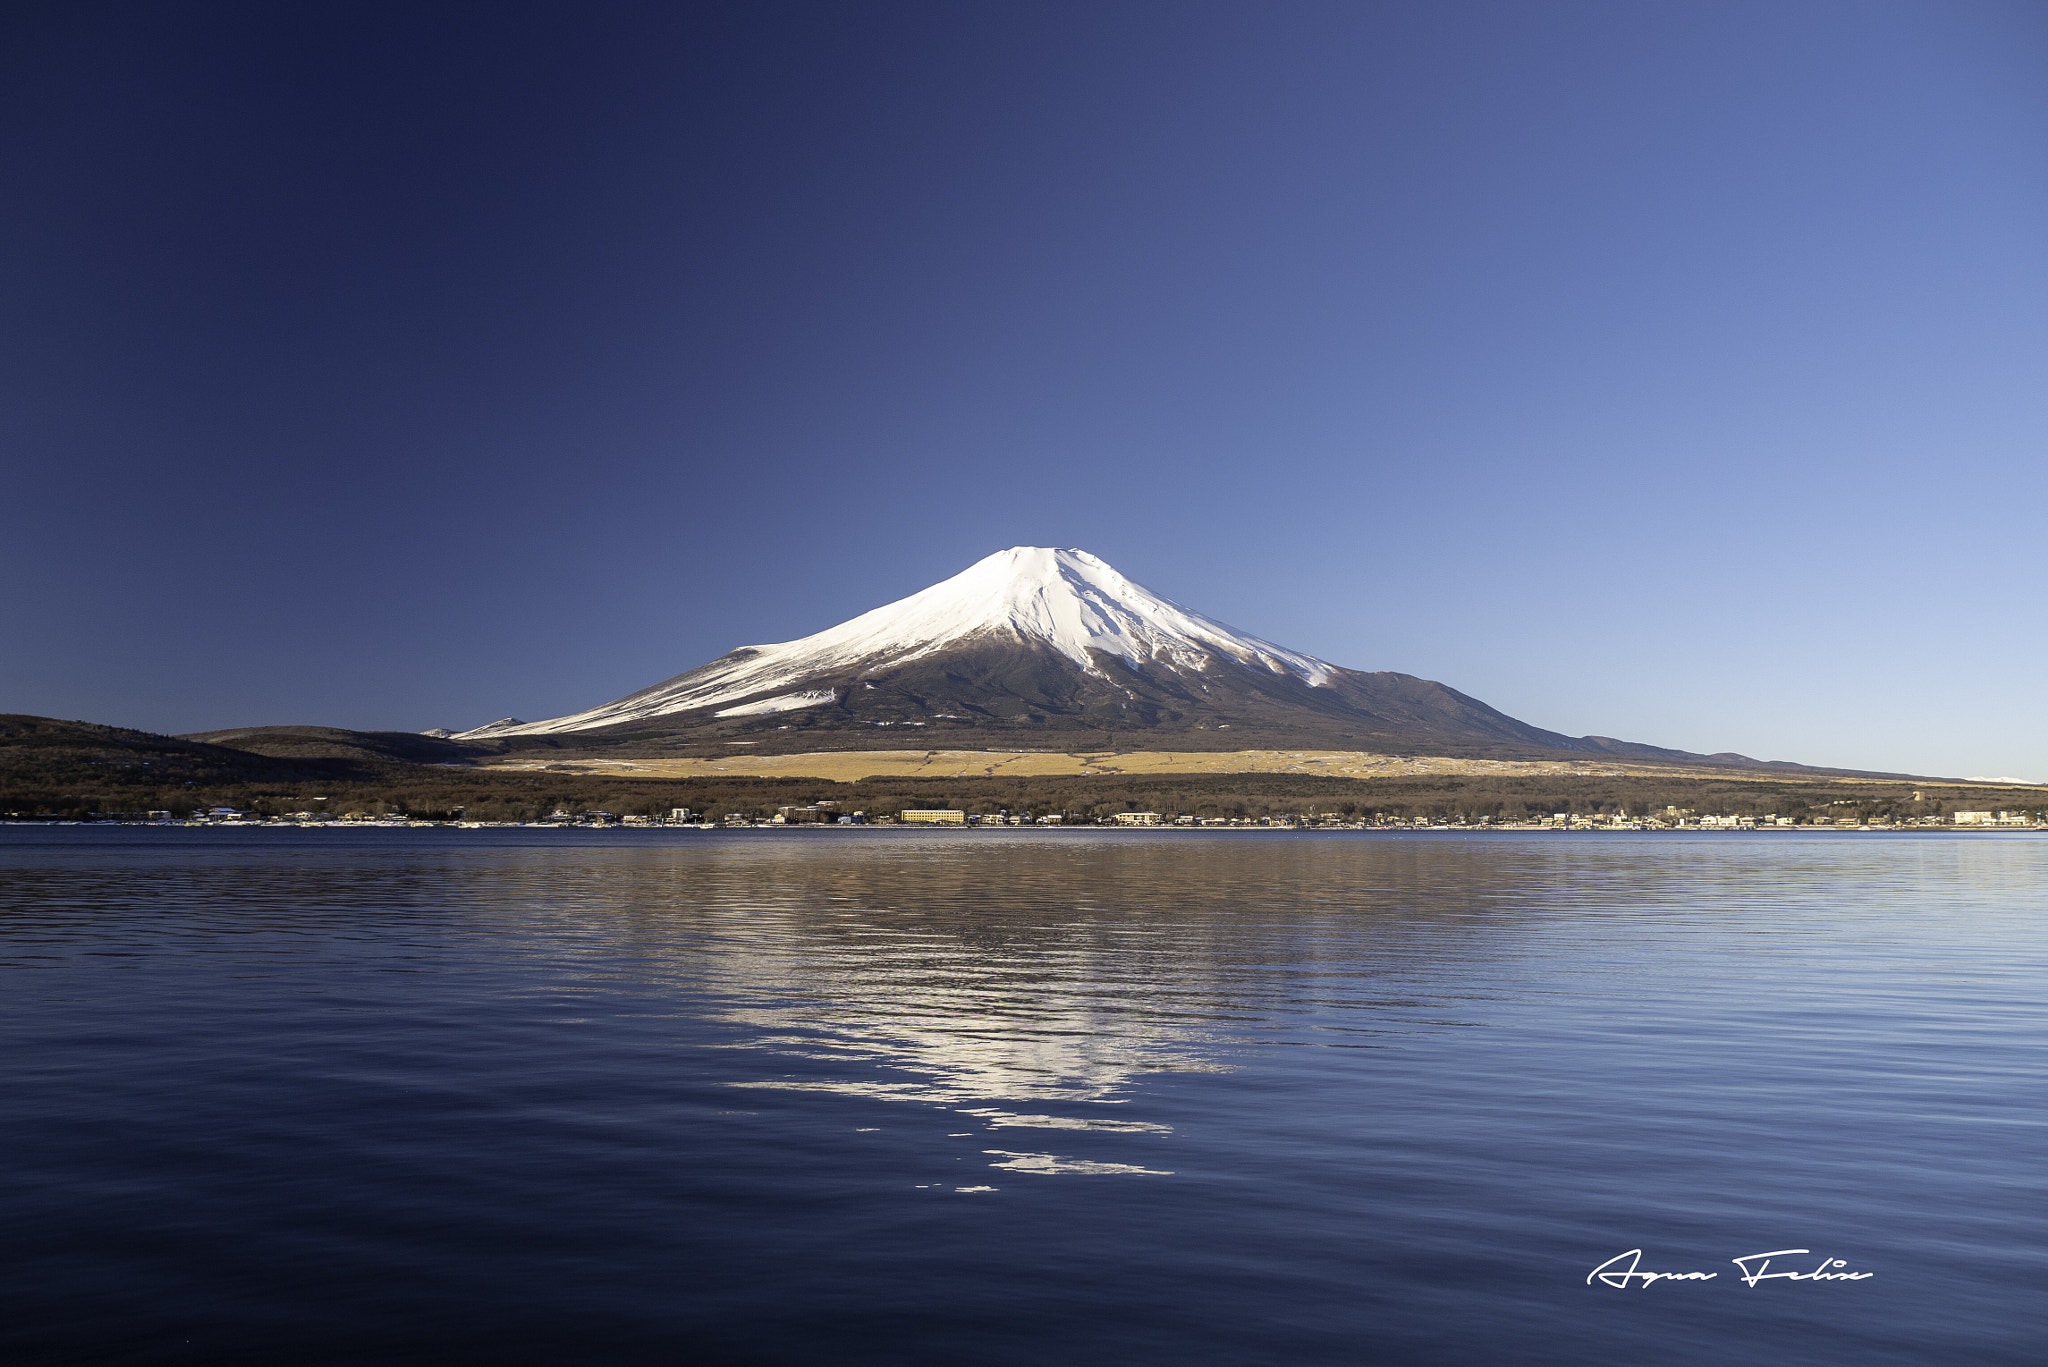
x=828, y=814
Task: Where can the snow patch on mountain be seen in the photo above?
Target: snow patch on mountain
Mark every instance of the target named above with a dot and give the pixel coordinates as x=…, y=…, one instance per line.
x=788, y=702
x=1069, y=600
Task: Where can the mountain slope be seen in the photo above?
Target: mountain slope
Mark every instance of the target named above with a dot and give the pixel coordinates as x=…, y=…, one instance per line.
x=1054, y=644
x=334, y=743
x=1067, y=601
x=44, y=761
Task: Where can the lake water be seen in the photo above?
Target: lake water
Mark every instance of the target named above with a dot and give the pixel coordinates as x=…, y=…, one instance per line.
x=837, y=1097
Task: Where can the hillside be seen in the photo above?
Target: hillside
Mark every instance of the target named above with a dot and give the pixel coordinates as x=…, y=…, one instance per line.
x=48, y=764
x=335, y=743
x=51, y=766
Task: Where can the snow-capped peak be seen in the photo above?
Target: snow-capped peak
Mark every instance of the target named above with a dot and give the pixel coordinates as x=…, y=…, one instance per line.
x=1068, y=600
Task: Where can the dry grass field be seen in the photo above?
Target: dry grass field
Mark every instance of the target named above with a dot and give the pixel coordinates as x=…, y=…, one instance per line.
x=848, y=766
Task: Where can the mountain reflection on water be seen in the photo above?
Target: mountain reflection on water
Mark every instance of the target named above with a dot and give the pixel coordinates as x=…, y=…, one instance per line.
x=1017, y=1097
x=971, y=971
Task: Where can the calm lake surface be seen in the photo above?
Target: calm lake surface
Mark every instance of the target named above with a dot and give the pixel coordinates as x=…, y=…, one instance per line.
x=838, y=1097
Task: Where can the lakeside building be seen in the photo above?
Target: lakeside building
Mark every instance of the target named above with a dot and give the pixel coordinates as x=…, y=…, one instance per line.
x=810, y=813
x=933, y=818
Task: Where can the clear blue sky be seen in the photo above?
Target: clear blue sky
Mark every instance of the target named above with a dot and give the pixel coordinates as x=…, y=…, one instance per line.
x=1676, y=372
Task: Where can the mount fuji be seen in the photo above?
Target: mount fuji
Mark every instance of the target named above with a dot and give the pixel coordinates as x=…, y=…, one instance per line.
x=1033, y=642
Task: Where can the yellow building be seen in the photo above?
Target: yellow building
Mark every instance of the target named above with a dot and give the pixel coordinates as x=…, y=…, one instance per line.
x=934, y=818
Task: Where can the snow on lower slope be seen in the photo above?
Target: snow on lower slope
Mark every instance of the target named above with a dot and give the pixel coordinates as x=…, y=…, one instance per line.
x=786, y=702
x=1066, y=599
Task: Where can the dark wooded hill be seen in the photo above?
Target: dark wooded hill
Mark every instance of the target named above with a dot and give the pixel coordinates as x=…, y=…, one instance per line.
x=335, y=743
x=37, y=750
x=48, y=765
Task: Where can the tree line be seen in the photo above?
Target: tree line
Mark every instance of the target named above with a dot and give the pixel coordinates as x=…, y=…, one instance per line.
x=496, y=795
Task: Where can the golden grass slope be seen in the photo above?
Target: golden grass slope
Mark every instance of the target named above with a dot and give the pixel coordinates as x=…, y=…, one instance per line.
x=850, y=766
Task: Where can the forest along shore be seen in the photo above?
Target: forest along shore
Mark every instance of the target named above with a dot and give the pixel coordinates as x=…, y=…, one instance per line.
x=56, y=770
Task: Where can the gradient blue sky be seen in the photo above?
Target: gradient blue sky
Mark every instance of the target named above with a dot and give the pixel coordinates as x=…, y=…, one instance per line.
x=1676, y=372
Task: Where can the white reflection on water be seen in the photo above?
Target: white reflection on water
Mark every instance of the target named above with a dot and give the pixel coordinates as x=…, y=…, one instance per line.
x=943, y=978
x=953, y=1045
x=1005, y=1120
x=1052, y=1165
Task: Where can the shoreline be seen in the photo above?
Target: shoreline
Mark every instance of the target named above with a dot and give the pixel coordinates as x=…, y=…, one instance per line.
x=1118, y=828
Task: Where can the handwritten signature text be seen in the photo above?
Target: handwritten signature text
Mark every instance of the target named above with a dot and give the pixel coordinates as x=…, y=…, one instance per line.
x=1626, y=1269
